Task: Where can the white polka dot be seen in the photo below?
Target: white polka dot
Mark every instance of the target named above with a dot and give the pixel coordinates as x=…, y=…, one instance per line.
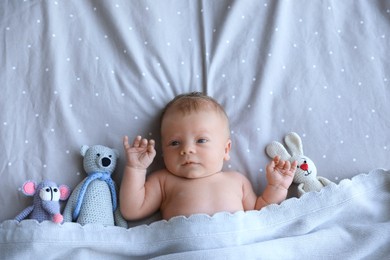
x=354, y=159
x=67, y=152
x=9, y=164
x=52, y=130
x=44, y=166
x=5, y=123
x=26, y=141
x=324, y=156
x=136, y=117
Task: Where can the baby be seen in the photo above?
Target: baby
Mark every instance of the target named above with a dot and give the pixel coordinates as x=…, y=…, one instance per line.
x=196, y=141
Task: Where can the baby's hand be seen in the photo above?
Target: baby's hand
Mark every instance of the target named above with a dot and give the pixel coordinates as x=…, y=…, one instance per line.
x=281, y=173
x=141, y=154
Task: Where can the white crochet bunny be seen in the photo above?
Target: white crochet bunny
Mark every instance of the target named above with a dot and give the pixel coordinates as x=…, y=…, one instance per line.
x=306, y=173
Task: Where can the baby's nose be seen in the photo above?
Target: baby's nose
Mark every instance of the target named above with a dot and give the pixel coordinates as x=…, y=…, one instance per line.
x=187, y=149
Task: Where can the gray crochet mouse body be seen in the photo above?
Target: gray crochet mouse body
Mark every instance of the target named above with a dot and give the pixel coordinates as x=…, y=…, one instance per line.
x=94, y=200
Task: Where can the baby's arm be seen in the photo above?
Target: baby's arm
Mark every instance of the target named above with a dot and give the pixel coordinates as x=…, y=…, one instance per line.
x=138, y=198
x=279, y=175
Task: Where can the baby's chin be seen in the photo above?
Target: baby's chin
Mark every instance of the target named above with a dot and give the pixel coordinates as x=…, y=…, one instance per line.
x=192, y=174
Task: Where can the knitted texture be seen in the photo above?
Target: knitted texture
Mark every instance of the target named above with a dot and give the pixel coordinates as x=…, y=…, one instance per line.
x=94, y=200
x=46, y=203
x=306, y=173
x=100, y=176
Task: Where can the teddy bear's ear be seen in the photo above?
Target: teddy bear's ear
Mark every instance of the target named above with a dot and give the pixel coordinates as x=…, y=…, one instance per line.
x=294, y=143
x=276, y=148
x=84, y=149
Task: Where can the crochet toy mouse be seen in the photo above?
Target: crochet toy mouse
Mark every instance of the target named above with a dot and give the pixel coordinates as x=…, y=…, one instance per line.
x=94, y=200
x=47, y=196
x=306, y=173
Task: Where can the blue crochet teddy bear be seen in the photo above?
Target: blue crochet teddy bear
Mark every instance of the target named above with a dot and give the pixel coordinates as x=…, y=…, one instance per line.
x=94, y=200
x=47, y=196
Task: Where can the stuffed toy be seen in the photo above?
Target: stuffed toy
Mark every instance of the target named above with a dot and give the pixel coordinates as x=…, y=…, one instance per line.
x=306, y=173
x=94, y=200
x=47, y=196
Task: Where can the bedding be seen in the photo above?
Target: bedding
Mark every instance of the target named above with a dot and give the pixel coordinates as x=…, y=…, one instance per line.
x=89, y=72
x=345, y=221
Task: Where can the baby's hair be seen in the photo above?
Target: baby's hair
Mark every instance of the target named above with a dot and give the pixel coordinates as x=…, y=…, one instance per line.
x=193, y=101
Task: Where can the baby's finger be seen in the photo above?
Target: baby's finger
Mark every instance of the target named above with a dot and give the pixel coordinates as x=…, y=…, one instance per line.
x=126, y=142
x=151, y=145
x=294, y=164
x=287, y=165
x=137, y=141
x=143, y=143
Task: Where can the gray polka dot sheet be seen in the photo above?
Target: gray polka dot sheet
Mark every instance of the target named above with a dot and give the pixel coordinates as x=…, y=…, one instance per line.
x=89, y=72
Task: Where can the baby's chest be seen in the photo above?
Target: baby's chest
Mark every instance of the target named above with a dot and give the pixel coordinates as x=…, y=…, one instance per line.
x=196, y=190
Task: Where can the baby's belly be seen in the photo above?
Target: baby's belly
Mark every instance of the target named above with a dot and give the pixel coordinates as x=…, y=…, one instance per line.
x=185, y=206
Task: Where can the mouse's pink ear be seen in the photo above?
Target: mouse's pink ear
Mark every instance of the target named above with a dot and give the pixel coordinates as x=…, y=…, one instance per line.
x=64, y=191
x=29, y=188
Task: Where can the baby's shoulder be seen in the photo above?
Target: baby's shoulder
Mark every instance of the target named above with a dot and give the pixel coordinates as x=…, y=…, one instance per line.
x=234, y=175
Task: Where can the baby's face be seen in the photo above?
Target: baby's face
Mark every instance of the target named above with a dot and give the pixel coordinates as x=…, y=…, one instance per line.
x=194, y=144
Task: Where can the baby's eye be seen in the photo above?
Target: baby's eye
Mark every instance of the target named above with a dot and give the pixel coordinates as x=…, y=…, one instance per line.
x=202, y=141
x=174, y=143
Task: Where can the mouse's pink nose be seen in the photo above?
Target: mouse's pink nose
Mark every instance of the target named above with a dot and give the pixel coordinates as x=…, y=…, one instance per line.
x=304, y=166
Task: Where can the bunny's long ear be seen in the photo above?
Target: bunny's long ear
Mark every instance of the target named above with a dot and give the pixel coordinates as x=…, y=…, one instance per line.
x=276, y=148
x=294, y=143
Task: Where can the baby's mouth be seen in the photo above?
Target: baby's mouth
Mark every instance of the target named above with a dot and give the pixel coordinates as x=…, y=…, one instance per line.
x=187, y=163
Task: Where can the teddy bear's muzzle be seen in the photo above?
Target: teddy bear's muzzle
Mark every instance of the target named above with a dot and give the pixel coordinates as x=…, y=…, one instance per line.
x=106, y=161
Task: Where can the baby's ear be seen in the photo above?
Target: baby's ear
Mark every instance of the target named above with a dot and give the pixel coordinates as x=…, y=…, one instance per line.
x=228, y=146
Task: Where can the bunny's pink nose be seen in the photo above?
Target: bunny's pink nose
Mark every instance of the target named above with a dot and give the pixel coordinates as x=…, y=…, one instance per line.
x=304, y=166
